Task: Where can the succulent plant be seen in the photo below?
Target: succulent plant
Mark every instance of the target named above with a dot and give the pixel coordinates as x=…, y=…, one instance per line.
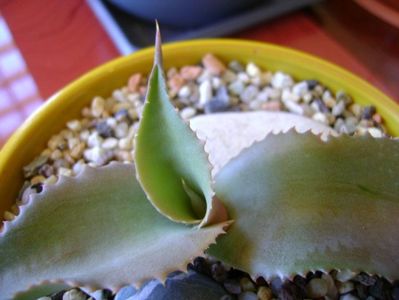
x=289, y=203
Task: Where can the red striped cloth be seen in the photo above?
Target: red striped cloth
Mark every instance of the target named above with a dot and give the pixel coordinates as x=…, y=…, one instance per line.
x=19, y=95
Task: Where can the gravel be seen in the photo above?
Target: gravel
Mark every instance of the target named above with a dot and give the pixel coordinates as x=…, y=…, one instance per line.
x=106, y=129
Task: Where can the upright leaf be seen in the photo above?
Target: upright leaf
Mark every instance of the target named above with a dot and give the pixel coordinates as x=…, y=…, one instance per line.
x=172, y=166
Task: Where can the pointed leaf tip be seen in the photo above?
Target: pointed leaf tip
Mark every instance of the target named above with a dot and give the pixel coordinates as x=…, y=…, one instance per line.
x=158, y=60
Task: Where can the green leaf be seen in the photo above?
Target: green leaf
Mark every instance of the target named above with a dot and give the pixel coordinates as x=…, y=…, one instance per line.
x=97, y=230
x=172, y=166
x=301, y=204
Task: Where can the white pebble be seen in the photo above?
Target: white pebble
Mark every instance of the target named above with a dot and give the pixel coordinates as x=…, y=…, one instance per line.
x=125, y=144
x=50, y=180
x=300, y=88
x=288, y=96
x=348, y=297
x=249, y=93
x=320, y=117
x=205, y=92
x=74, y=125
x=243, y=77
x=78, y=167
x=111, y=122
x=74, y=294
x=216, y=82
x=37, y=179
x=263, y=96
x=281, y=80
x=121, y=130
x=307, y=97
x=375, y=132
x=188, y=112
x=119, y=96
x=344, y=275
x=84, y=135
x=73, y=142
x=184, y=92
x=64, y=172
x=345, y=287
x=253, y=70
x=338, y=109
x=94, y=140
x=316, y=288
x=294, y=107
x=95, y=155
x=56, y=154
x=237, y=87
x=97, y=107
x=247, y=296
x=110, y=143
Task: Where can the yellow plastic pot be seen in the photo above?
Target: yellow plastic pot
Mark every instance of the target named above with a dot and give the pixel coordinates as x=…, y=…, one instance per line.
x=30, y=139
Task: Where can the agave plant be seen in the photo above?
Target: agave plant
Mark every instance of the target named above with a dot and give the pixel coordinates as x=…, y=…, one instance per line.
x=289, y=203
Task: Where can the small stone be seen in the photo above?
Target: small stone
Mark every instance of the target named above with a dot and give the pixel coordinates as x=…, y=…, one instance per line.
x=361, y=291
x=125, y=293
x=94, y=140
x=276, y=285
x=104, y=129
x=253, y=70
x=77, y=151
x=236, y=66
x=320, y=117
x=237, y=87
x=368, y=112
x=342, y=96
x=97, y=107
x=288, y=96
x=175, y=83
x=74, y=294
x=32, y=168
x=243, y=77
x=96, y=155
x=44, y=298
x=356, y=109
x=214, y=106
x=64, y=172
x=345, y=287
x=51, y=180
x=101, y=295
x=46, y=170
x=8, y=216
x=125, y=143
x=218, y=272
x=316, y=288
x=271, y=106
x=395, y=293
x=281, y=80
x=205, y=92
x=249, y=93
x=247, y=284
x=110, y=143
x=119, y=96
x=232, y=286
x=184, y=92
x=290, y=291
x=37, y=179
x=380, y=289
x=222, y=94
x=338, y=109
x=74, y=125
x=229, y=76
x=121, y=130
x=365, y=279
x=294, y=107
x=264, y=293
x=213, y=64
x=216, y=82
x=350, y=124
x=188, y=112
x=201, y=265
x=348, y=297
x=121, y=114
x=190, y=72
x=320, y=106
x=312, y=83
x=248, y=296
x=375, y=132
x=300, y=89
x=227, y=297
x=332, y=291
x=330, y=102
x=377, y=118
x=134, y=82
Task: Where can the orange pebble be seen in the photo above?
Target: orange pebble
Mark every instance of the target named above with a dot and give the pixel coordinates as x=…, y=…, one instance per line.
x=134, y=82
x=190, y=72
x=213, y=64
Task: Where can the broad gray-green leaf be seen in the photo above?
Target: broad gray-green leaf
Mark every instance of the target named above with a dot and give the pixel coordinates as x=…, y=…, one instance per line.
x=227, y=134
x=302, y=204
x=96, y=230
x=172, y=166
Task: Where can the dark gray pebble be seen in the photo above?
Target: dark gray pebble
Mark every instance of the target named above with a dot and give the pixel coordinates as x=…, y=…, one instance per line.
x=365, y=279
x=104, y=130
x=218, y=272
x=276, y=284
x=232, y=286
x=368, y=112
x=312, y=83
x=215, y=106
